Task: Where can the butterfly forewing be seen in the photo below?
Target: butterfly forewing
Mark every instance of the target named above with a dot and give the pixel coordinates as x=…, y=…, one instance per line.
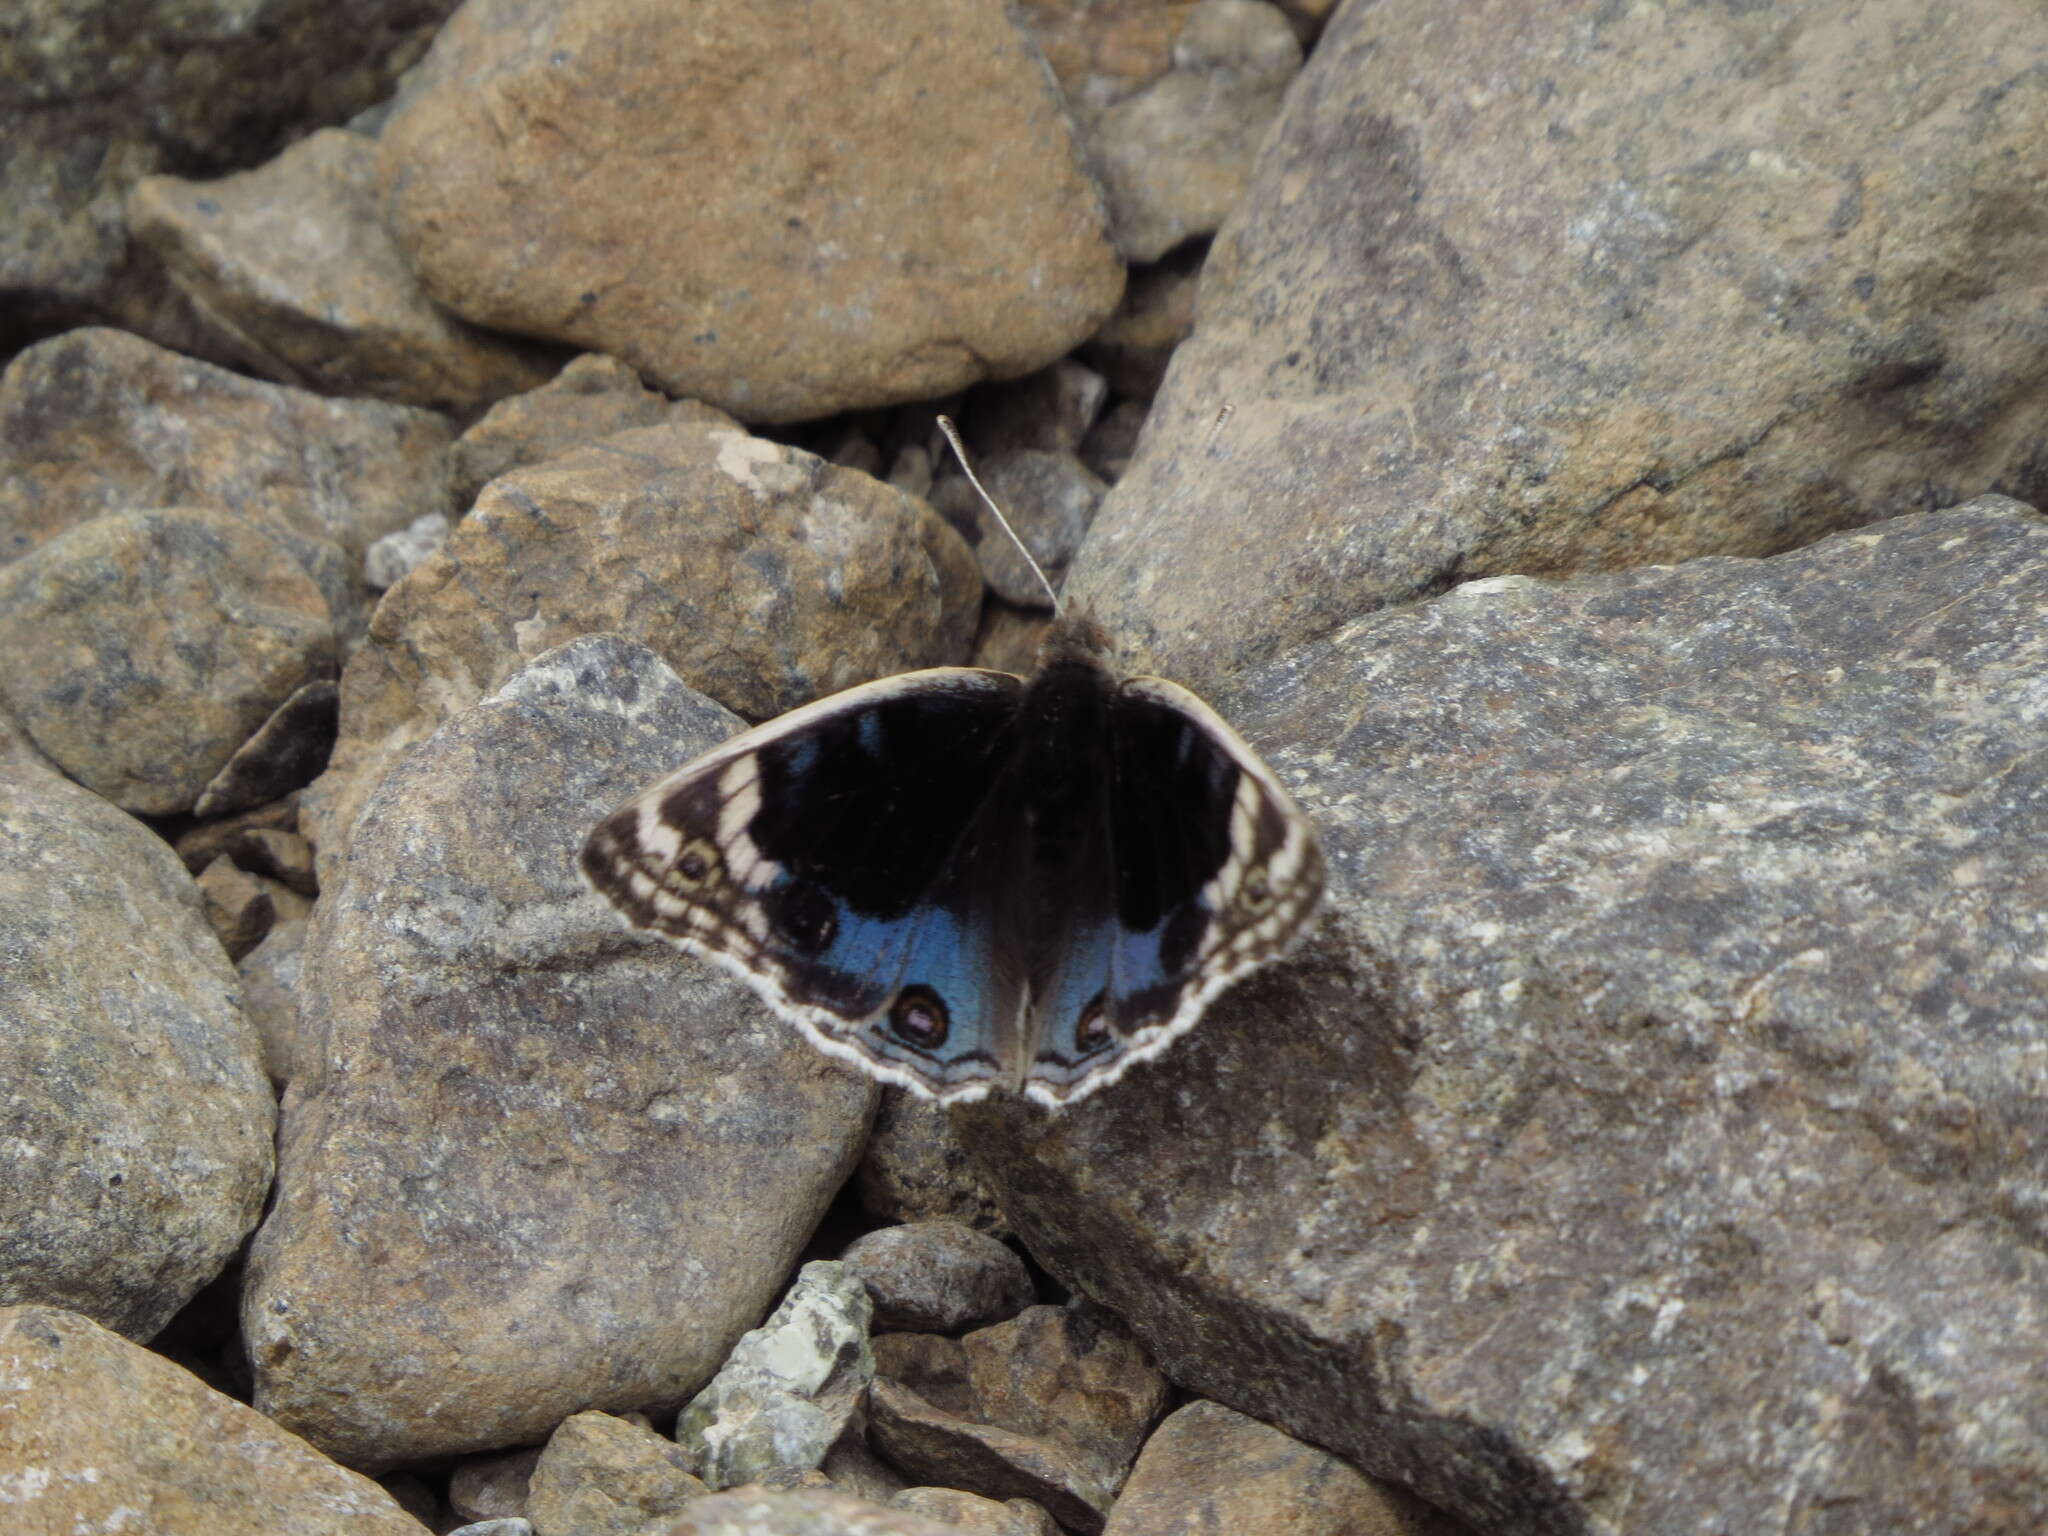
x=821, y=856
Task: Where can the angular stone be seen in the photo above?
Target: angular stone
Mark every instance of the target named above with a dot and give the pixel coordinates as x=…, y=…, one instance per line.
x=139, y=1122
x=939, y=1277
x=931, y=1365
x=1074, y=1375
x=601, y=1476
x=1637, y=307
x=1176, y=156
x=396, y=556
x=199, y=846
x=493, y=1487
x=1209, y=1469
x=98, y=421
x=759, y=1511
x=939, y=1448
x=146, y=647
x=592, y=398
x=238, y=908
x=558, y=1129
x=270, y=995
x=281, y=855
x=285, y=753
x=790, y=1389
x=971, y=1512
x=101, y=1435
x=1668, y=1066
x=543, y=151
x=292, y=276
x=914, y=1167
x=502, y=1525
x=762, y=574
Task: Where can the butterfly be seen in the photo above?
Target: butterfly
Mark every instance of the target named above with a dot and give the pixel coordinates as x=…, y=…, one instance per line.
x=960, y=879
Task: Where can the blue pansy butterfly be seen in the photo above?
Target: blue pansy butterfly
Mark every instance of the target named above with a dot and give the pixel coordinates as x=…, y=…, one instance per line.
x=960, y=879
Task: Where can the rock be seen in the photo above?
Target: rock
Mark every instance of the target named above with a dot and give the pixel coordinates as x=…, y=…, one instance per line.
x=238, y=908
x=543, y=152
x=931, y=1365
x=1636, y=307
x=1111, y=446
x=147, y=646
x=287, y=751
x=283, y=856
x=293, y=277
x=1073, y=1375
x=1103, y=53
x=790, y=1389
x=1157, y=314
x=939, y=1277
x=1049, y=499
x=139, y=1122
x=971, y=1512
x=759, y=1511
x=1050, y=410
x=104, y=1436
x=493, y=1487
x=556, y=1127
x=199, y=846
x=1175, y=157
x=392, y=558
x=1208, y=1469
x=914, y=1168
x=939, y=1448
x=270, y=996
x=853, y=1468
x=592, y=398
x=98, y=97
x=601, y=1476
x=1655, y=1125
x=503, y=1525
x=764, y=575
x=97, y=421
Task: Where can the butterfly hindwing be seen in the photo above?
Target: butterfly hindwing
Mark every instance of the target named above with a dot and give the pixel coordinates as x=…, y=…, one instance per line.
x=1210, y=872
x=826, y=858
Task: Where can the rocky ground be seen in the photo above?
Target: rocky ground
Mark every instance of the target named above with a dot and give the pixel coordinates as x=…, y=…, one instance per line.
x=1591, y=453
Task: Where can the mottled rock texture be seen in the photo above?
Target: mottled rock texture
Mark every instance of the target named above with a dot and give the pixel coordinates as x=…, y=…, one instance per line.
x=762, y=574
x=939, y=1277
x=135, y=1119
x=892, y=223
x=1548, y=288
x=290, y=274
x=539, y=1164
x=1653, y=1141
x=603, y=1476
x=100, y=1435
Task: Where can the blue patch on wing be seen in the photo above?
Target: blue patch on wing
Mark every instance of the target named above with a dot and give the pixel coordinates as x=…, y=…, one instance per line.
x=927, y=947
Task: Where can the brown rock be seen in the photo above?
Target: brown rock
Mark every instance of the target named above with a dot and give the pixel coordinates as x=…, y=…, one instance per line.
x=757, y=1510
x=493, y=1487
x=1157, y=314
x=544, y=153
x=1175, y=157
x=105, y=1436
x=139, y=1123
x=98, y=96
x=601, y=1476
x=1208, y=1469
x=914, y=1168
x=146, y=647
x=270, y=995
x=98, y=421
x=238, y=908
x=593, y=397
x=939, y=1277
x=936, y=1447
x=556, y=1132
x=1073, y=1375
x=765, y=576
x=1647, y=301
x=1667, y=1068
x=971, y=1512
x=283, y=856
x=1104, y=50
x=199, y=846
x=931, y=1365
x=285, y=752
x=293, y=277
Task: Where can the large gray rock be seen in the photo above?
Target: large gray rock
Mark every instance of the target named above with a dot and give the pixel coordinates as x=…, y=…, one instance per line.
x=531, y=1163
x=1653, y=1140
x=1562, y=287
x=840, y=220
x=135, y=1119
x=100, y=1435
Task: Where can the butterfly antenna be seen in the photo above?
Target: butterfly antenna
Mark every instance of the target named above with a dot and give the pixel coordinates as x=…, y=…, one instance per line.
x=960, y=452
